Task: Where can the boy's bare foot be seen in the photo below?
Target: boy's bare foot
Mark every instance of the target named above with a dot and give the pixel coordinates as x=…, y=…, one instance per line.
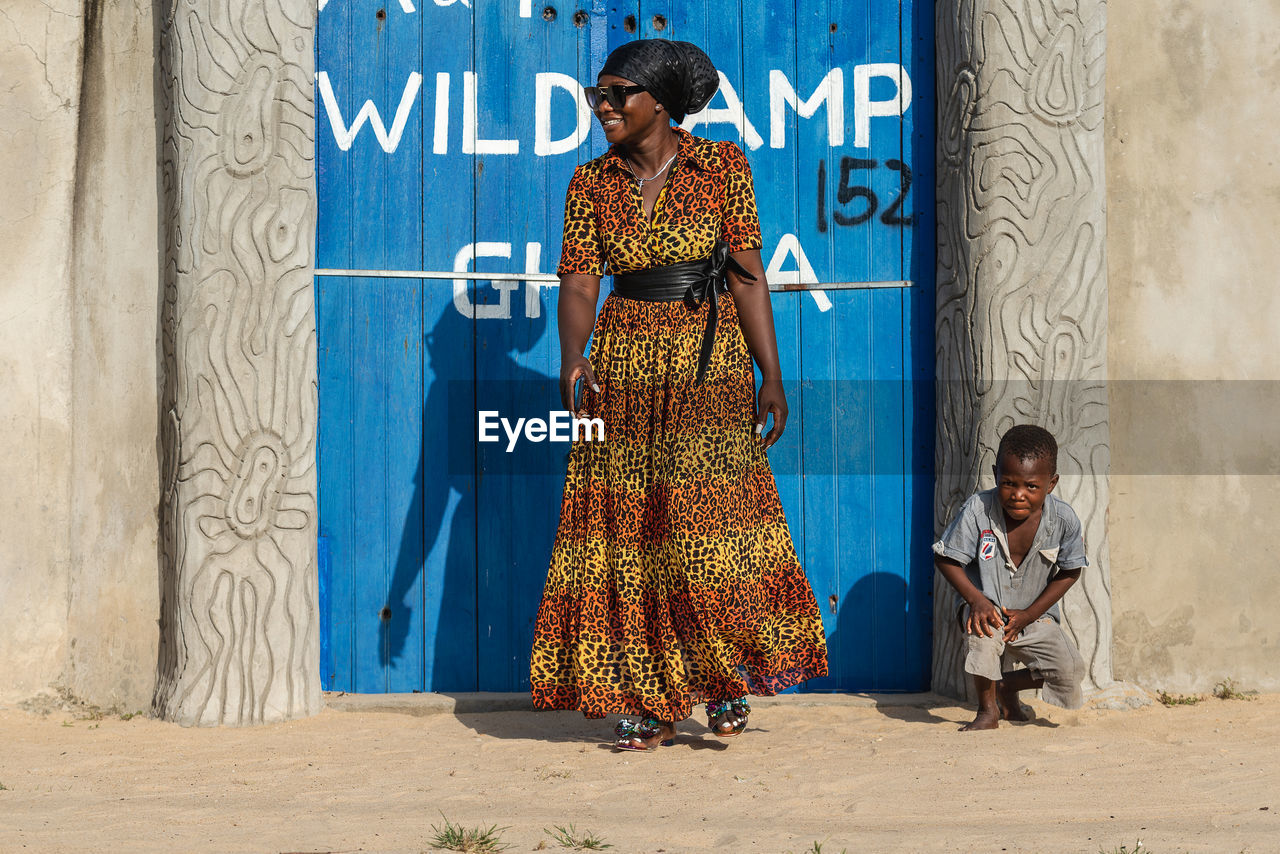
x=1007, y=694
x=986, y=719
x=988, y=706
x=1011, y=708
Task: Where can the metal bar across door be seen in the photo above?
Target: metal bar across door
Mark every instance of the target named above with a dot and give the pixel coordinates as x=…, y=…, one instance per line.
x=545, y=277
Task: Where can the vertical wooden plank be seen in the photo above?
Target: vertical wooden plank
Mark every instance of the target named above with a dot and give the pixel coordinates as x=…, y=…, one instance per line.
x=883, y=49
x=855, y=512
x=863, y=646
x=334, y=188
x=886, y=585
x=855, y=194
x=446, y=483
x=369, y=466
x=505, y=65
x=888, y=434
x=847, y=328
x=367, y=78
x=336, y=437
x=389, y=184
x=334, y=174
x=447, y=499
x=823, y=333
x=401, y=623
x=919, y=255
x=516, y=366
x=502, y=54
x=383, y=66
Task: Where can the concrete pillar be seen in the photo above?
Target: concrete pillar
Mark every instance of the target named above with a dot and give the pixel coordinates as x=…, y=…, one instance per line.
x=1022, y=286
x=240, y=627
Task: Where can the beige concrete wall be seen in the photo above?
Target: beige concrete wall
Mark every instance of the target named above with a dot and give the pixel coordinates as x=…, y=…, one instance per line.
x=113, y=604
x=40, y=67
x=78, y=290
x=1193, y=211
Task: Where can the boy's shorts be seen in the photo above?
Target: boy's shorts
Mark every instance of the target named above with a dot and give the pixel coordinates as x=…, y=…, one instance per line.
x=1046, y=650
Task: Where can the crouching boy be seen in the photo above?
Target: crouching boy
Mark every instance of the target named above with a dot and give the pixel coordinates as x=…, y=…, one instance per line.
x=1011, y=552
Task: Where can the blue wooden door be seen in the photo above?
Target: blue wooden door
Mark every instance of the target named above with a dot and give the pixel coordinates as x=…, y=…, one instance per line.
x=446, y=134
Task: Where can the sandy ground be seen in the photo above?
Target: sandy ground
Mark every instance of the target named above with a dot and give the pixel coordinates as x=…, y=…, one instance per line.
x=1197, y=778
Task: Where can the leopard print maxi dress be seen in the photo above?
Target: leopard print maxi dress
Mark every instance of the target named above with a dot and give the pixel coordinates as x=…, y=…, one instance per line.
x=673, y=577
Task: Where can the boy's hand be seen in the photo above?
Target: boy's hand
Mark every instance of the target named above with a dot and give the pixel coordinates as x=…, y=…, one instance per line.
x=1017, y=619
x=984, y=618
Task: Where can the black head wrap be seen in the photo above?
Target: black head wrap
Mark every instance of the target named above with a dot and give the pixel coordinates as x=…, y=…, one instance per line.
x=677, y=74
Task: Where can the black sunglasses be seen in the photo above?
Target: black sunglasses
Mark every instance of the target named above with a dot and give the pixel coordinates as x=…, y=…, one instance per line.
x=616, y=95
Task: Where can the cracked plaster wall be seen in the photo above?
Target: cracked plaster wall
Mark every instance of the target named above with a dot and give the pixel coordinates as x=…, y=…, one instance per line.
x=39, y=90
x=78, y=293
x=1194, y=199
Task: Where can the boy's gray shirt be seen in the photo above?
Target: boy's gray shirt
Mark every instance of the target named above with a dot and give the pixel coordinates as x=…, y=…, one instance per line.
x=976, y=539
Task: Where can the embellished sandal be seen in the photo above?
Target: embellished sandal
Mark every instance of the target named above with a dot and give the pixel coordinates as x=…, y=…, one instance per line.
x=639, y=736
x=727, y=718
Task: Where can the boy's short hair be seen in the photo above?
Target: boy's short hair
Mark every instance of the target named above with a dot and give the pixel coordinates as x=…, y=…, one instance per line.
x=1029, y=442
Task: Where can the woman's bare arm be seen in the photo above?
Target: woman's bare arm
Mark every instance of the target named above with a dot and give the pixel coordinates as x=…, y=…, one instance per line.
x=575, y=316
x=755, y=313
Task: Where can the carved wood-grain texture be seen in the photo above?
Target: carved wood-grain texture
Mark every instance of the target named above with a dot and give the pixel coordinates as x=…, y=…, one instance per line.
x=1022, y=290
x=239, y=613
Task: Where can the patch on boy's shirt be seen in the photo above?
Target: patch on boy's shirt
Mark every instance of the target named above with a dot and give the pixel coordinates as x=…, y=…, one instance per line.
x=987, y=546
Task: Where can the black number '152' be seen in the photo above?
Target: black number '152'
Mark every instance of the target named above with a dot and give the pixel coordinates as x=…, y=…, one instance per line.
x=848, y=191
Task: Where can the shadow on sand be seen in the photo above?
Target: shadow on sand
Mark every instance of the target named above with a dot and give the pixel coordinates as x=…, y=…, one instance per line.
x=573, y=728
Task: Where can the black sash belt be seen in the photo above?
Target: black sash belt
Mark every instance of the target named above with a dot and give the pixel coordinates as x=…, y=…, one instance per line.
x=695, y=282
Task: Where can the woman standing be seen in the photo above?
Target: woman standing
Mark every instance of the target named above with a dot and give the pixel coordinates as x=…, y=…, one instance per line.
x=673, y=578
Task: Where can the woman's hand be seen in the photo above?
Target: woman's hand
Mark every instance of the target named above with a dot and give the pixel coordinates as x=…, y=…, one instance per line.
x=576, y=314
x=771, y=398
x=755, y=315
x=571, y=368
